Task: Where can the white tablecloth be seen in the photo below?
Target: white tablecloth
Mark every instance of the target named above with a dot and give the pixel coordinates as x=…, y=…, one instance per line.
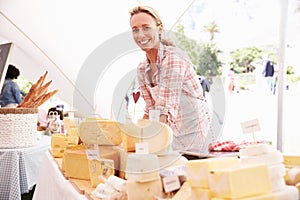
x=19, y=168
x=52, y=185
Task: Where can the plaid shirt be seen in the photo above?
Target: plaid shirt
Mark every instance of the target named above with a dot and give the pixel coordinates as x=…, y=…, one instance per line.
x=175, y=76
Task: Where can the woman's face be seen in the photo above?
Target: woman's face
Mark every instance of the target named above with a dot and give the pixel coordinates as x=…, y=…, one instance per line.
x=145, y=32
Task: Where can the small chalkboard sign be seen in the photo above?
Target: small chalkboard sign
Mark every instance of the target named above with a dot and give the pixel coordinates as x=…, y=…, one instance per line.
x=5, y=50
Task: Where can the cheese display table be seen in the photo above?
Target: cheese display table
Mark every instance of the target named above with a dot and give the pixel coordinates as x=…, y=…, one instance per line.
x=19, y=168
x=52, y=184
x=103, y=167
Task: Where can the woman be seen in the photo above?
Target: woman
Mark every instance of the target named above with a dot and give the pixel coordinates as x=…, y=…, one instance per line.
x=169, y=84
x=11, y=95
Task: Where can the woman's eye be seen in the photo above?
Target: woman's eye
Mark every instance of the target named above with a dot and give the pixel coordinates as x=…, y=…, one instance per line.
x=136, y=30
x=147, y=28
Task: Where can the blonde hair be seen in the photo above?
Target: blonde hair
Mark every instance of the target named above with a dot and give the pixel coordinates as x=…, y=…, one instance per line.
x=153, y=13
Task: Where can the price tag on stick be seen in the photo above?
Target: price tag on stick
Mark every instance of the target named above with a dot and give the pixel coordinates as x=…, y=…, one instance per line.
x=251, y=126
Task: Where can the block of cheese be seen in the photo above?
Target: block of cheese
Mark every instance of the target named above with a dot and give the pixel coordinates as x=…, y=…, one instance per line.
x=70, y=148
x=291, y=160
x=277, y=171
x=59, y=143
x=72, y=139
x=146, y=190
x=75, y=161
x=240, y=182
x=102, y=132
x=158, y=135
x=271, y=158
x=287, y=193
x=198, y=170
x=256, y=149
x=198, y=193
x=99, y=169
x=68, y=124
x=142, y=167
x=76, y=164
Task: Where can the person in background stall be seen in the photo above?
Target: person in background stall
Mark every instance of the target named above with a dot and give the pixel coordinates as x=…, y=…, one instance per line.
x=231, y=85
x=11, y=95
x=268, y=73
x=169, y=83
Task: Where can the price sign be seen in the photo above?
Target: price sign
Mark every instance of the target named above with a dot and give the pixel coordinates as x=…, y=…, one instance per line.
x=250, y=126
x=142, y=148
x=171, y=183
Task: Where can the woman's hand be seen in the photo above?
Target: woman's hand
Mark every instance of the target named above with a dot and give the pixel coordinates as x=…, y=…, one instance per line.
x=146, y=116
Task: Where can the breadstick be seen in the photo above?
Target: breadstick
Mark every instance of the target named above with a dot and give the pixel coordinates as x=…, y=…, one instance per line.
x=46, y=97
x=32, y=91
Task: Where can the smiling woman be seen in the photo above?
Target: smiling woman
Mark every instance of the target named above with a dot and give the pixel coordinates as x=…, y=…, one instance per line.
x=169, y=84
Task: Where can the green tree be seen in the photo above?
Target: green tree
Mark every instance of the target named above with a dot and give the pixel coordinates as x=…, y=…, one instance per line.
x=241, y=59
x=203, y=56
x=211, y=28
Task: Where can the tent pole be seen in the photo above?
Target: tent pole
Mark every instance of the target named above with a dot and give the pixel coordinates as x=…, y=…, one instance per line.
x=281, y=72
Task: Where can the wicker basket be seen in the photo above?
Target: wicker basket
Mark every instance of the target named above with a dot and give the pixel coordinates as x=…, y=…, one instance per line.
x=18, y=127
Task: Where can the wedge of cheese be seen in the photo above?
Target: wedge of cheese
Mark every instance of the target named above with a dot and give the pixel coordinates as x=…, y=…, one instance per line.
x=159, y=136
x=100, y=170
x=102, y=132
x=59, y=142
x=240, y=182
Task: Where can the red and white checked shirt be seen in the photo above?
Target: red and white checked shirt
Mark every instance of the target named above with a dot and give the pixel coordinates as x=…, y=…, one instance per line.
x=176, y=77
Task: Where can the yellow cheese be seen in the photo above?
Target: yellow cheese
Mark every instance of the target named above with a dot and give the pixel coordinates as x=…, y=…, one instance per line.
x=184, y=193
x=287, y=193
x=72, y=139
x=142, y=167
x=240, y=182
x=291, y=160
x=147, y=190
x=159, y=136
x=197, y=170
x=58, y=144
x=200, y=194
x=68, y=124
x=76, y=164
x=100, y=168
x=102, y=132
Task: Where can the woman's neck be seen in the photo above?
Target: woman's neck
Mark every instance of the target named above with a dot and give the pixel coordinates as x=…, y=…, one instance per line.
x=152, y=55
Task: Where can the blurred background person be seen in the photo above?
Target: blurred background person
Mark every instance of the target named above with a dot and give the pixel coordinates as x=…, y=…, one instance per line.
x=11, y=95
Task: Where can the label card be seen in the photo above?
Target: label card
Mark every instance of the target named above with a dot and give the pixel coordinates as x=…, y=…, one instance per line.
x=171, y=183
x=92, y=152
x=250, y=126
x=142, y=148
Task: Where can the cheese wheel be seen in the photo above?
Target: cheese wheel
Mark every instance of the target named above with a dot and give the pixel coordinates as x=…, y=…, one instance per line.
x=158, y=135
x=102, y=132
x=142, y=167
